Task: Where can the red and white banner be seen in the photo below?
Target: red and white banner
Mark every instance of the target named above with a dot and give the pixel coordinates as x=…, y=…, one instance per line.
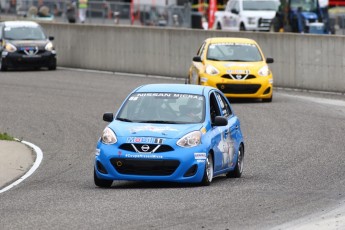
x=211, y=11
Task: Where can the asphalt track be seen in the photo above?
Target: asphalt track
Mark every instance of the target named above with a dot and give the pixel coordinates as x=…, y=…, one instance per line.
x=294, y=167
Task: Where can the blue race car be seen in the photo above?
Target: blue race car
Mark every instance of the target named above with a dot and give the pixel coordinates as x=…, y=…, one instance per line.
x=170, y=132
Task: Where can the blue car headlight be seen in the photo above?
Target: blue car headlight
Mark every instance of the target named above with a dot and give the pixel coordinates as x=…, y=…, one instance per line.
x=108, y=136
x=189, y=140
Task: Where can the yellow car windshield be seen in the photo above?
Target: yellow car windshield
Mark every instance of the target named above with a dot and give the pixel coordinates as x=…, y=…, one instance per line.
x=233, y=52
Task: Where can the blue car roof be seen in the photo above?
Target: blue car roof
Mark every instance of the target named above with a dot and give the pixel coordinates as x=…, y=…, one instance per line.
x=174, y=88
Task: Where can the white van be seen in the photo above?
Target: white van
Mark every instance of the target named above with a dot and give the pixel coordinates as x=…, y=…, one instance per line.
x=254, y=15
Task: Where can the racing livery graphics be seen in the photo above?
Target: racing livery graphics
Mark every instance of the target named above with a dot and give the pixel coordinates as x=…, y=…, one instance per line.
x=236, y=66
x=170, y=132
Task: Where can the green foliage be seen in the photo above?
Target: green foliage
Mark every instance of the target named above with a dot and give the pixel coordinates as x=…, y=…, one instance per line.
x=5, y=136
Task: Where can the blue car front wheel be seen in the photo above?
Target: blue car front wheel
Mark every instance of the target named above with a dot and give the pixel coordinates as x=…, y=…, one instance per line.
x=100, y=182
x=208, y=173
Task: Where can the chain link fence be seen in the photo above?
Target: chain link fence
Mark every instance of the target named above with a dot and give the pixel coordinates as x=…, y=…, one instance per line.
x=103, y=12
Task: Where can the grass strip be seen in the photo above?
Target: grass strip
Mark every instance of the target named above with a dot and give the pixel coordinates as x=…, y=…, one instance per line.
x=5, y=136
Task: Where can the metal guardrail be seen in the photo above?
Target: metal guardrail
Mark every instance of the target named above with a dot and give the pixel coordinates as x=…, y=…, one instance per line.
x=104, y=12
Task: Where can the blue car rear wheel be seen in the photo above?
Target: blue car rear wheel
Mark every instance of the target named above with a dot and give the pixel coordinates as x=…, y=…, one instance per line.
x=237, y=172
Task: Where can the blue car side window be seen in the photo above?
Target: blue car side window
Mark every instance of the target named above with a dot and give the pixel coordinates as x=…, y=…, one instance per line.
x=214, y=107
x=224, y=106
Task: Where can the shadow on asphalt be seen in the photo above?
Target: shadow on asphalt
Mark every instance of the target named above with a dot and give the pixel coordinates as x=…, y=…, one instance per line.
x=245, y=101
x=164, y=185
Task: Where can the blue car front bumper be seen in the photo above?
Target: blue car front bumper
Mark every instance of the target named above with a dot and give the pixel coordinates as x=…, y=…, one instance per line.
x=170, y=163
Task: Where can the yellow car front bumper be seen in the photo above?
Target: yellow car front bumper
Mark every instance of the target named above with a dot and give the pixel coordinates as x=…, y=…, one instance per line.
x=260, y=87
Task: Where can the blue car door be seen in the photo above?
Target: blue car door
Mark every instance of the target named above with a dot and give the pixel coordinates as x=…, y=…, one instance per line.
x=228, y=135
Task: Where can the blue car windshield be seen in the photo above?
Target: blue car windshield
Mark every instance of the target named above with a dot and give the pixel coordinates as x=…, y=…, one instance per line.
x=170, y=108
x=24, y=33
x=240, y=52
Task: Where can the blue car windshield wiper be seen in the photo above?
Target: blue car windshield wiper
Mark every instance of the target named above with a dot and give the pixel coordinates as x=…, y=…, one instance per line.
x=123, y=119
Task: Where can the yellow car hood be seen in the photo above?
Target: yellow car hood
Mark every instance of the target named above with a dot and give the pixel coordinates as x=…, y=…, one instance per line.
x=223, y=67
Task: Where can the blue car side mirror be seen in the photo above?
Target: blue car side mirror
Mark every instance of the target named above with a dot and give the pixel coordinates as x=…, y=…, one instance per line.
x=109, y=117
x=220, y=121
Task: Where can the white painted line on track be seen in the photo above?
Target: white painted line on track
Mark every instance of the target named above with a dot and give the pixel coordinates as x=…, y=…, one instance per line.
x=332, y=219
x=39, y=158
x=309, y=91
x=326, y=101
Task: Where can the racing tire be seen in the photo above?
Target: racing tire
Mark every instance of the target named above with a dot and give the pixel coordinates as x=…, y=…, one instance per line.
x=267, y=99
x=275, y=25
x=100, y=182
x=237, y=172
x=219, y=27
x=208, y=173
x=193, y=81
x=242, y=27
x=52, y=67
x=3, y=67
x=186, y=81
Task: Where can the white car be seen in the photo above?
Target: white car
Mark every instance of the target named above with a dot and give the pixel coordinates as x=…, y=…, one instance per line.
x=253, y=15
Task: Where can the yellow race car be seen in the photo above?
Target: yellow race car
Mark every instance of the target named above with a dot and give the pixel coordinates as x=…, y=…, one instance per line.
x=236, y=66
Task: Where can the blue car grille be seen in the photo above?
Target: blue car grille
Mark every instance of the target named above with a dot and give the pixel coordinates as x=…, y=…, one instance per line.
x=239, y=88
x=152, y=148
x=145, y=167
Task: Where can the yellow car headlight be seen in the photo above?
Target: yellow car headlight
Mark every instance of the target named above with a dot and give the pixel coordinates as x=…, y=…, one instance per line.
x=264, y=71
x=10, y=48
x=211, y=70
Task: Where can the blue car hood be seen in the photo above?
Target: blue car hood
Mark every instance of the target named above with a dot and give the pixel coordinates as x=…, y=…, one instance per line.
x=127, y=129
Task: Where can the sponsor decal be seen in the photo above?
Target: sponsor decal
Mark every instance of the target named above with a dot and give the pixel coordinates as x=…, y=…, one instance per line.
x=200, y=156
x=212, y=46
x=200, y=161
x=238, y=71
x=231, y=64
x=149, y=140
x=226, y=146
x=119, y=153
x=133, y=98
x=168, y=95
x=147, y=156
x=203, y=79
x=151, y=128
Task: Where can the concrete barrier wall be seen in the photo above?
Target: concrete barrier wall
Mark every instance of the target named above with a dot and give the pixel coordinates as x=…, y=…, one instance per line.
x=301, y=61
